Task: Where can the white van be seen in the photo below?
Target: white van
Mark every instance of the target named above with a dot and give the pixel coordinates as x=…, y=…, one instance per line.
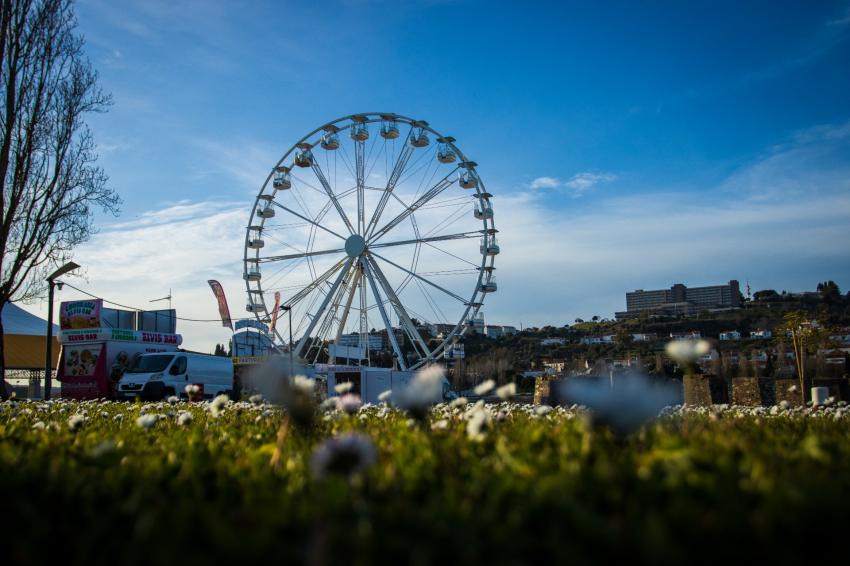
x=156, y=376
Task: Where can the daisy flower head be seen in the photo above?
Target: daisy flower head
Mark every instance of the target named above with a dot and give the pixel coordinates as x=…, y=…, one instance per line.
x=345, y=455
x=218, y=405
x=76, y=422
x=507, y=391
x=146, y=421
x=478, y=424
x=349, y=403
x=484, y=387
x=687, y=351
x=423, y=391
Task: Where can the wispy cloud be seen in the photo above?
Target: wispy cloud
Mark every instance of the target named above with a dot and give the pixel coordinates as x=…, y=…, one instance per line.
x=585, y=181
x=245, y=162
x=578, y=183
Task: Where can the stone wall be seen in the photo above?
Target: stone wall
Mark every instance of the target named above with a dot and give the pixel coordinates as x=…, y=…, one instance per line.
x=753, y=391
x=704, y=390
x=784, y=392
x=542, y=389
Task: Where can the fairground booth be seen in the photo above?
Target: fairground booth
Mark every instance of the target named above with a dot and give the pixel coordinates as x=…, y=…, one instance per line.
x=99, y=344
x=24, y=350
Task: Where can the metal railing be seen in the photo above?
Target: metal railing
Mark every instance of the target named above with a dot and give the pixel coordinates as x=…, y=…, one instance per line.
x=29, y=383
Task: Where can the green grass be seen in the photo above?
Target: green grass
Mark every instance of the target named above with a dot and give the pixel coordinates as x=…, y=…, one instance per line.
x=694, y=486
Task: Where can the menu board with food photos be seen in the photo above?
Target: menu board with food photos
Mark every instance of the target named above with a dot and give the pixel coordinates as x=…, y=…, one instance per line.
x=80, y=314
x=81, y=361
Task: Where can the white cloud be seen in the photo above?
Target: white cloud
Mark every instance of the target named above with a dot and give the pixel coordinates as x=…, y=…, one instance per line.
x=545, y=183
x=585, y=181
x=579, y=183
x=178, y=247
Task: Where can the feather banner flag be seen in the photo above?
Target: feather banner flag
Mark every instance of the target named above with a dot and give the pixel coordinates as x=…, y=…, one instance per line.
x=218, y=291
x=275, y=311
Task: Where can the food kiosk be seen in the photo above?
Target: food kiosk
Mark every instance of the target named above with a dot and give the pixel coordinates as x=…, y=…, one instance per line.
x=98, y=345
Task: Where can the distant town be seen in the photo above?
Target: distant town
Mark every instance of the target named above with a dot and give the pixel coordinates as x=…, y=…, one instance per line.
x=744, y=329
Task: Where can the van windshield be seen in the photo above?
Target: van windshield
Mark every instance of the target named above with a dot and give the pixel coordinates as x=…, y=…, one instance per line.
x=150, y=364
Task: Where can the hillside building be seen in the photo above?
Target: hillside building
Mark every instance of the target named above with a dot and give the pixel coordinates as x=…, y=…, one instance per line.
x=680, y=299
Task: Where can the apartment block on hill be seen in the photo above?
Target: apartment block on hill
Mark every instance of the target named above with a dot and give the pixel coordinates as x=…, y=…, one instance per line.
x=680, y=299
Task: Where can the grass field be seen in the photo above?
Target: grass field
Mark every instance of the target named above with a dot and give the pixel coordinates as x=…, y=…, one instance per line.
x=197, y=483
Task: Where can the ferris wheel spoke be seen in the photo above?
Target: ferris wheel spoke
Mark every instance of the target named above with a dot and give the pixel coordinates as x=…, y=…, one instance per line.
x=423, y=279
x=326, y=186
x=360, y=165
x=313, y=222
x=318, y=314
x=444, y=183
x=398, y=169
x=272, y=258
x=297, y=297
x=459, y=236
x=403, y=317
x=380, y=304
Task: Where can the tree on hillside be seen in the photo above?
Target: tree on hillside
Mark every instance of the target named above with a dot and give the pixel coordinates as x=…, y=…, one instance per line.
x=47, y=160
x=765, y=295
x=803, y=335
x=829, y=291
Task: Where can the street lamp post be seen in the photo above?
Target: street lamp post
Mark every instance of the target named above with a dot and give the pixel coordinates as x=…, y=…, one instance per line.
x=288, y=309
x=48, y=359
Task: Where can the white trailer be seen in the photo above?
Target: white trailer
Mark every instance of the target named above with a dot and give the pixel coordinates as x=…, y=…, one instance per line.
x=369, y=383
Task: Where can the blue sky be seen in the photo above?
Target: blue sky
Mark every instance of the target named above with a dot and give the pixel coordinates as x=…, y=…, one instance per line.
x=628, y=145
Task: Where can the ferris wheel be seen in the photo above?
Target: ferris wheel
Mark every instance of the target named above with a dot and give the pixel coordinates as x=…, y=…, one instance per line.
x=378, y=233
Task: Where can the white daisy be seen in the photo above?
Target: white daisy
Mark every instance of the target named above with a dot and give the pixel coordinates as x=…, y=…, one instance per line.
x=485, y=387
x=507, y=391
x=146, y=421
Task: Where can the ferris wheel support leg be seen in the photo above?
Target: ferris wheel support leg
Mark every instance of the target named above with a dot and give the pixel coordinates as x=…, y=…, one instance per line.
x=324, y=306
x=404, y=318
x=342, y=321
x=402, y=363
x=330, y=316
x=364, y=316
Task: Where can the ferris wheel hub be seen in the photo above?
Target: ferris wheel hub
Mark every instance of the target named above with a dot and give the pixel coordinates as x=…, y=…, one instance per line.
x=355, y=245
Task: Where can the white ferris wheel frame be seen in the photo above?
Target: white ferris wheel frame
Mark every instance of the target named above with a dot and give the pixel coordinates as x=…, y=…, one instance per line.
x=361, y=260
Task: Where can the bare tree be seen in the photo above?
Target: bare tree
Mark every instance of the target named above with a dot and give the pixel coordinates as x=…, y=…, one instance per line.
x=47, y=160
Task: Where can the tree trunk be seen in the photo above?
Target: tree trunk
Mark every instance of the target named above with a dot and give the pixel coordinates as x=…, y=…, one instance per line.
x=3, y=393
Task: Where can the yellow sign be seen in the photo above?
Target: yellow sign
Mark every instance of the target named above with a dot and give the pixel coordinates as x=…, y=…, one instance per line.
x=249, y=360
